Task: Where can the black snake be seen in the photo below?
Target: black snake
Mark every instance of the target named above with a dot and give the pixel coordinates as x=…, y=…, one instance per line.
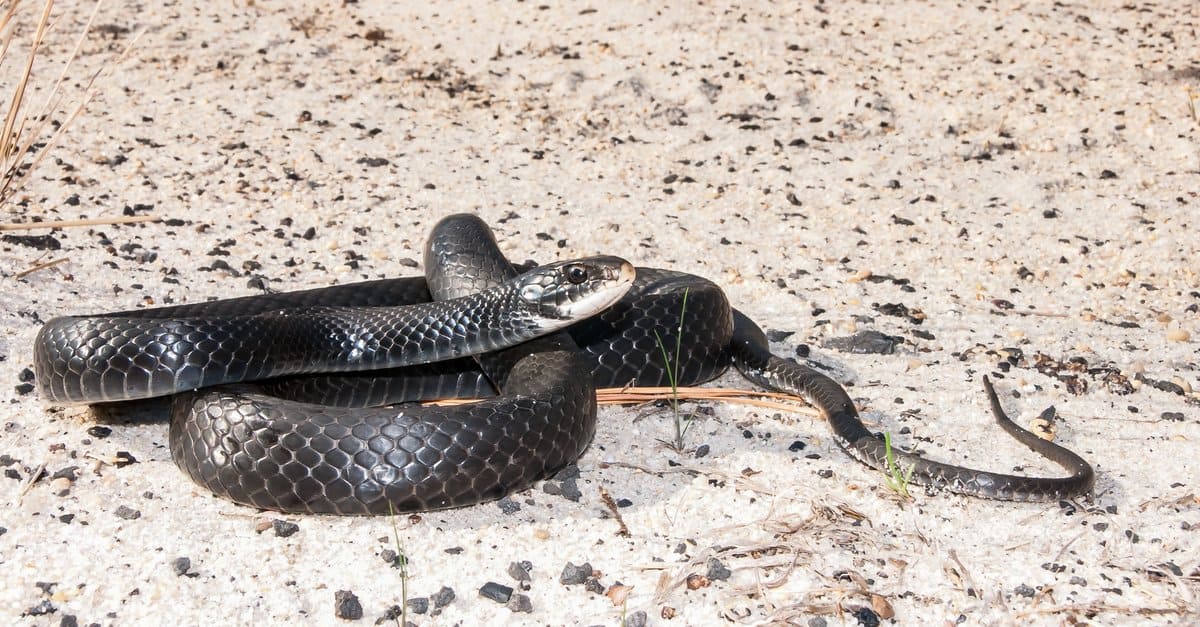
x=331, y=447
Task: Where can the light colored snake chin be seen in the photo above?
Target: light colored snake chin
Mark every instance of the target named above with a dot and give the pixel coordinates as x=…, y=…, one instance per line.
x=259, y=434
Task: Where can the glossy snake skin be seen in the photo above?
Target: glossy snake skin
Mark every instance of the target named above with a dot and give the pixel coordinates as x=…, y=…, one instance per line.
x=329, y=448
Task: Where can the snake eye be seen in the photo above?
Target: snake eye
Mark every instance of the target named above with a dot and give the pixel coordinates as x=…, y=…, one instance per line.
x=576, y=274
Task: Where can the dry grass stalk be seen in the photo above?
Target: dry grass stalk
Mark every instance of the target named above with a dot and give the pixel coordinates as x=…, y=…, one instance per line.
x=60, y=224
x=23, y=130
x=639, y=395
x=41, y=266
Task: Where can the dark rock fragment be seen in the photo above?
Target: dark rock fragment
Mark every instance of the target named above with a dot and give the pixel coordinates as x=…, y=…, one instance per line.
x=418, y=605
x=866, y=617
x=520, y=604
x=443, y=597
x=717, y=571
x=346, y=605
x=499, y=593
x=866, y=343
x=573, y=575
x=182, y=567
x=283, y=528
x=36, y=242
x=593, y=585
x=636, y=619
x=520, y=570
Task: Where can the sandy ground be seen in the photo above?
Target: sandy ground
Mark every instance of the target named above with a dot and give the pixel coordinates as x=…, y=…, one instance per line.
x=1016, y=176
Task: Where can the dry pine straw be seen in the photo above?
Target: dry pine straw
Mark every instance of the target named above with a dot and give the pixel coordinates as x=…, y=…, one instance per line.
x=638, y=395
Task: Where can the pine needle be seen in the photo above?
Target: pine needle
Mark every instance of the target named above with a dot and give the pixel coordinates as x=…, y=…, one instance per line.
x=640, y=395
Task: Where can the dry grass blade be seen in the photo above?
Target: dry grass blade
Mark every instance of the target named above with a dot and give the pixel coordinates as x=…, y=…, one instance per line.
x=38, y=267
x=639, y=395
x=21, y=130
x=10, y=139
x=59, y=224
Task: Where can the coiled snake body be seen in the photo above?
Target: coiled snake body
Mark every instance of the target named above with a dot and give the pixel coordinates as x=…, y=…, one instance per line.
x=329, y=448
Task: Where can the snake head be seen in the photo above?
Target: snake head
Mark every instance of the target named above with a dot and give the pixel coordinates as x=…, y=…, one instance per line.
x=573, y=290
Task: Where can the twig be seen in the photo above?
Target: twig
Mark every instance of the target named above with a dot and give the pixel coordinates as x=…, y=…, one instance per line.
x=58, y=224
x=651, y=471
x=636, y=395
x=33, y=478
x=41, y=266
x=623, y=531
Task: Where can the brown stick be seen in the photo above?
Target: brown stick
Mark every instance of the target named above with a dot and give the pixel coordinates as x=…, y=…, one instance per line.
x=41, y=266
x=58, y=224
x=637, y=395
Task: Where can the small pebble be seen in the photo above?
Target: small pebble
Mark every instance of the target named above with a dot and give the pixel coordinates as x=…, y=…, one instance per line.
x=508, y=505
x=866, y=617
x=346, y=605
x=796, y=446
x=42, y=609
x=520, y=570
x=60, y=486
x=636, y=619
x=99, y=432
x=593, y=585
x=570, y=490
x=520, y=604
x=496, y=592
x=702, y=451
x=128, y=513
x=70, y=473
x=717, y=571
x=1178, y=335
x=865, y=342
x=284, y=529
x=181, y=566
x=443, y=597
x=573, y=575
x=418, y=605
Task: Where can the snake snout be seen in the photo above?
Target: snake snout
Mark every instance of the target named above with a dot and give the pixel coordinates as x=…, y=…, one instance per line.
x=573, y=290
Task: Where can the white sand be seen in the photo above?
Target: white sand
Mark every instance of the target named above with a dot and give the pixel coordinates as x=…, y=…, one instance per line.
x=569, y=118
